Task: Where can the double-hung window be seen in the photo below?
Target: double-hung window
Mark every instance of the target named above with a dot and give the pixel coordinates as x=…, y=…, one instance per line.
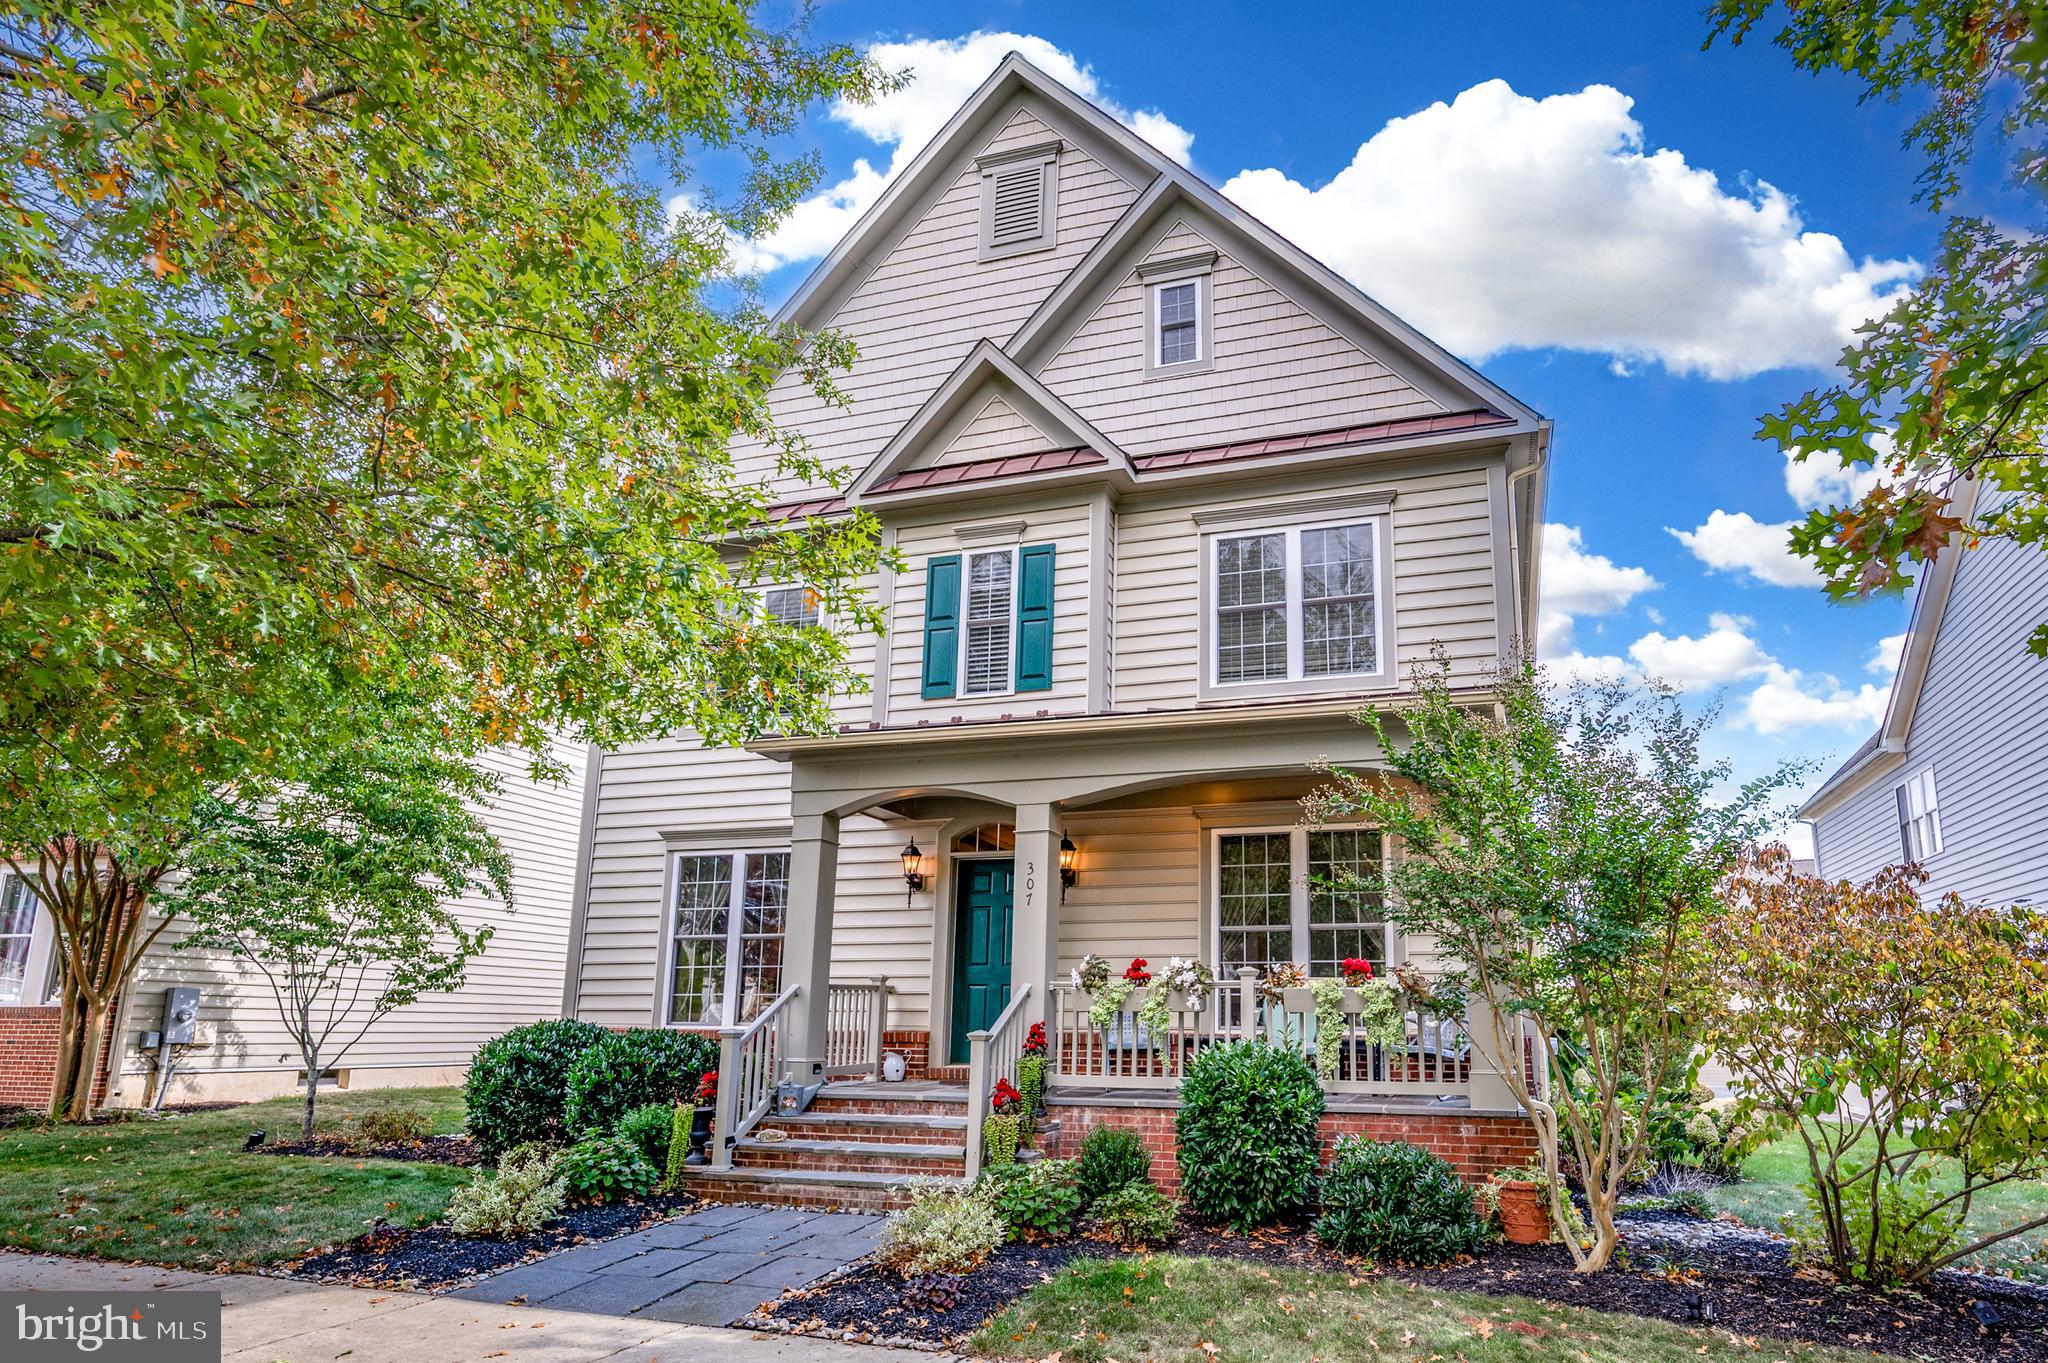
x=790, y=605
x=1297, y=604
x=1177, y=322
x=990, y=607
x=26, y=960
x=1295, y=894
x=1919, y=817
x=726, y=935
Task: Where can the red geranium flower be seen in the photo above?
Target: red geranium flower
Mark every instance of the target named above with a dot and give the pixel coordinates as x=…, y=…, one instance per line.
x=707, y=1088
x=1034, y=1040
x=1005, y=1096
x=1356, y=969
x=1136, y=972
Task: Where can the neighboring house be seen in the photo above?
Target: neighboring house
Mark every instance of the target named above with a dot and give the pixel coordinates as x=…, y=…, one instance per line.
x=1172, y=502
x=242, y=1049
x=1956, y=778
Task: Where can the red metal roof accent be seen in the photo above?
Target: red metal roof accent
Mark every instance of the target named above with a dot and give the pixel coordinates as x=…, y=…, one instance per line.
x=986, y=470
x=1272, y=446
x=805, y=507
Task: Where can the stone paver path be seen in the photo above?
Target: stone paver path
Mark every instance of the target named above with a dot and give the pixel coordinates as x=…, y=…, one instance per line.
x=708, y=1268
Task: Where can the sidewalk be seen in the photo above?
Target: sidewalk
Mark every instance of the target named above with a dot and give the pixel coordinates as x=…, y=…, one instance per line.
x=278, y=1320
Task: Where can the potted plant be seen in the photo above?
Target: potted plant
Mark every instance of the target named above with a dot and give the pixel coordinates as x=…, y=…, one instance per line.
x=1031, y=1074
x=700, y=1120
x=1001, y=1128
x=1520, y=1196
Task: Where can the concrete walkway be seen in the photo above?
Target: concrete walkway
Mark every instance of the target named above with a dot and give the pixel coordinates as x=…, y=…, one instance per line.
x=279, y=1320
x=708, y=1268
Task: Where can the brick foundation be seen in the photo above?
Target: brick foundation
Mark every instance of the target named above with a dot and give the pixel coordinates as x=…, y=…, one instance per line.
x=1473, y=1144
x=28, y=1057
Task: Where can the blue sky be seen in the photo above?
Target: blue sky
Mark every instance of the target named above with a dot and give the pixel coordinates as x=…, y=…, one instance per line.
x=1650, y=243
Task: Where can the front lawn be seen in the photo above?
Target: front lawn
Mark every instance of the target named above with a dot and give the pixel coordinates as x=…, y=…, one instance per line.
x=1770, y=1191
x=1220, y=1311
x=180, y=1190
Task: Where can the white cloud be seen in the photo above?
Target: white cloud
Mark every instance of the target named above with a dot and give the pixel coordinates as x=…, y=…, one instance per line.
x=1580, y=669
x=944, y=72
x=1724, y=654
x=1884, y=655
x=1737, y=542
x=1580, y=583
x=1498, y=222
x=1790, y=701
x=1820, y=481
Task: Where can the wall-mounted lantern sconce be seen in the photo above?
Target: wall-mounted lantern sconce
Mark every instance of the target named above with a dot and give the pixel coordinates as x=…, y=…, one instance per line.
x=1070, y=857
x=913, y=877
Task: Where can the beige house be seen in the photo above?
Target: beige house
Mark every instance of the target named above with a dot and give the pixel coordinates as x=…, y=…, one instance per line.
x=1173, y=502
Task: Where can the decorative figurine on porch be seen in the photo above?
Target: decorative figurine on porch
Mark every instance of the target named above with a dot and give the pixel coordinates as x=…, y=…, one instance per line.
x=700, y=1120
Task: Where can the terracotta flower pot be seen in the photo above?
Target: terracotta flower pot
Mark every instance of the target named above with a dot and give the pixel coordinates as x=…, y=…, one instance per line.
x=1524, y=1220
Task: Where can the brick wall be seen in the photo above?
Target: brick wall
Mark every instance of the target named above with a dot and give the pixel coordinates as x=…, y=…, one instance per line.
x=914, y=1047
x=1473, y=1145
x=28, y=1057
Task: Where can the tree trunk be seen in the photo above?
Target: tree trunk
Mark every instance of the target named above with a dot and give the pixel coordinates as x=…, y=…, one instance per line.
x=1600, y=1207
x=312, y=1059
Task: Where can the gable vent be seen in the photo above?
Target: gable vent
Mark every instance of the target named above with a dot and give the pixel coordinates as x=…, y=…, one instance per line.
x=1016, y=207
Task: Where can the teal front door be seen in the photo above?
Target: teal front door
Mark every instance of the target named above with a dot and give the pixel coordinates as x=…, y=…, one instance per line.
x=982, y=908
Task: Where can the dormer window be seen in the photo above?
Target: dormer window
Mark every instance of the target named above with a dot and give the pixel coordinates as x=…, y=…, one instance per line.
x=1177, y=322
x=1019, y=195
x=1177, y=312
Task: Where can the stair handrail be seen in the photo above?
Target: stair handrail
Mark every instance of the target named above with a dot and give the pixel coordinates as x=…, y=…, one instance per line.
x=747, y=1057
x=986, y=1052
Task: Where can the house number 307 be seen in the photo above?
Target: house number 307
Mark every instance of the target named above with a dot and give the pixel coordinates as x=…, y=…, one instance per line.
x=1030, y=880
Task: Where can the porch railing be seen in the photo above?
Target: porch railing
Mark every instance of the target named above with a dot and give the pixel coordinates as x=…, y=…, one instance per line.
x=992, y=1055
x=749, y=1063
x=856, y=1016
x=1433, y=1060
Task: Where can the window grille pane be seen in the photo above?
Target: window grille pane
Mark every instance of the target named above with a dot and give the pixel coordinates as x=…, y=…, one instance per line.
x=1341, y=923
x=1337, y=612
x=17, y=932
x=1254, y=882
x=703, y=915
x=790, y=605
x=1251, y=608
x=988, y=624
x=1179, y=339
x=764, y=901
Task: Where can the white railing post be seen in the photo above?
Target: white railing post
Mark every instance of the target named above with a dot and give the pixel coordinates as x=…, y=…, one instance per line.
x=1248, y=1001
x=725, y=1107
x=878, y=1026
x=977, y=1098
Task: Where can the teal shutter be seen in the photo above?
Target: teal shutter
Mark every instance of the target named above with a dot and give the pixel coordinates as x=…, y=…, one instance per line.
x=1034, y=618
x=941, y=625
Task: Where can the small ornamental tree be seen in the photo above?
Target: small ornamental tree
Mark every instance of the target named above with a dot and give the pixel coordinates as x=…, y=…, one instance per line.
x=337, y=893
x=1906, y=1041
x=1565, y=849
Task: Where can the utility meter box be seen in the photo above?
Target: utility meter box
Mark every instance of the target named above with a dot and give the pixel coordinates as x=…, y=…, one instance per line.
x=181, y=1016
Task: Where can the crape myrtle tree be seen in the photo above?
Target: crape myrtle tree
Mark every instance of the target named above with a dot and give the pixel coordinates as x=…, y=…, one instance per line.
x=337, y=891
x=1565, y=848
x=1952, y=383
x=1905, y=1040
x=346, y=348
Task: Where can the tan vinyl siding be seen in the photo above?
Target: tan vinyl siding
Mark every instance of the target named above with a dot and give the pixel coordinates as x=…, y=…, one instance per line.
x=929, y=300
x=517, y=979
x=1065, y=526
x=1277, y=369
x=1139, y=893
x=1443, y=579
x=998, y=430
x=878, y=927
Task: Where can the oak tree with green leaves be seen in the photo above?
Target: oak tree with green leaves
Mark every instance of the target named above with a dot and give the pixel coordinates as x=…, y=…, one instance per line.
x=1565, y=848
x=1951, y=385
x=337, y=892
x=349, y=347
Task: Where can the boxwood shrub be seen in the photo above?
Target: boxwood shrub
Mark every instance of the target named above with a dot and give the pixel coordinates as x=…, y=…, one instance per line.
x=518, y=1085
x=1111, y=1157
x=1246, y=1129
x=1396, y=1203
x=625, y=1070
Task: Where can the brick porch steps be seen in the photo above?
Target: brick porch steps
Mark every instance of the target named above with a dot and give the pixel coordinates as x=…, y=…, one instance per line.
x=880, y=1127
x=852, y=1190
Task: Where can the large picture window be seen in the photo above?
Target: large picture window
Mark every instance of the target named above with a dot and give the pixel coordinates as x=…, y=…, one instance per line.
x=726, y=938
x=1274, y=902
x=1296, y=604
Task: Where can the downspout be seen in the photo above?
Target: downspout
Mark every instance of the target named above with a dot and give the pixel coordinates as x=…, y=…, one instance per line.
x=1540, y=446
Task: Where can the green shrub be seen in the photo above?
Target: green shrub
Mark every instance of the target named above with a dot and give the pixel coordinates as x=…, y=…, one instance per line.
x=392, y=1126
x=1111, y=1157
x=625, y=1070
x=1037, y=1201
x=648, y=1127
x=602, y=1168
x=1136, y=1214
x=518, y=1085
x=1247, y=1134
x=942, y=1230
x=518, y=1199
x=1397, y=1203
x=1913, y=1228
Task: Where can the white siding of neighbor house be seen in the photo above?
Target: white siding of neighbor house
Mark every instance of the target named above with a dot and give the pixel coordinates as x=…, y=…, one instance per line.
x=1277, y=369
x=998, y=430
x=926, y=303
x=1443, y=577
x=517, y=979
x=1982, y=723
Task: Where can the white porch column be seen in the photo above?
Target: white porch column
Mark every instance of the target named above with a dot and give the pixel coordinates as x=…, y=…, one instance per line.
x=807, y=942
x=1035, y=926
x=1489, y=1091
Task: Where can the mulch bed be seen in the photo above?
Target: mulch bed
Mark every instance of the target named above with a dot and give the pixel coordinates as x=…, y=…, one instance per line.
x=457, y=1150
x=436, y=1257
x=865, y=1304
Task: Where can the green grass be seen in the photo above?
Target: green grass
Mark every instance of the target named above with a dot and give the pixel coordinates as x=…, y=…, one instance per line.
x=1219, y=1311
x=1770, y=1191
x=179, y=1190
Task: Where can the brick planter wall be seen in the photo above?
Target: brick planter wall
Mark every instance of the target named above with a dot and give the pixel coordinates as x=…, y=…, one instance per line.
x=1473, y=1144
x=28, y=1057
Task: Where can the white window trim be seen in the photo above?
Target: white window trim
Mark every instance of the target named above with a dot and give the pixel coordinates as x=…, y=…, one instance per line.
x=1931, y=818
x=42, y=947
x=1297, y=682
x=1047, y=154
x=1155, y=293
x=1297, y=885
x=967, y=557
x=664, y=983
